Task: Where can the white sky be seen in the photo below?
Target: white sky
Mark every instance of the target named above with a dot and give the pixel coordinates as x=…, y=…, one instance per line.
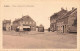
x=40, y=12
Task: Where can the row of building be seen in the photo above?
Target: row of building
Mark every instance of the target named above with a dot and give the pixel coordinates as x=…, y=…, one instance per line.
x=64, y=21
x=22, y=24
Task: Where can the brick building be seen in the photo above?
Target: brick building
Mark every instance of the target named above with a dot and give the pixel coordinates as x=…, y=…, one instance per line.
x=6, y=25
x=25, y=21
x=72, y=20
x=54, y=18
x=65, y=21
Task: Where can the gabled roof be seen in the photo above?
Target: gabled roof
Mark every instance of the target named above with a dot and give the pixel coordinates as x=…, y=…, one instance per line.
x=59, y=14
x=6, y=21
x=41, y=25
x=62, y=14
x=68, y=13
x=24, y=18
x=71, y=12
x=27, y=16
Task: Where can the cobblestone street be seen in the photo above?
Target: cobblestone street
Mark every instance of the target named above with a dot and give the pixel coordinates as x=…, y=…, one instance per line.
x=40, y=40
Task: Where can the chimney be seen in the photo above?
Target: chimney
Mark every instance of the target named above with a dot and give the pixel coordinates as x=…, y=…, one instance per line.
x=62, y=8
x=73, y=8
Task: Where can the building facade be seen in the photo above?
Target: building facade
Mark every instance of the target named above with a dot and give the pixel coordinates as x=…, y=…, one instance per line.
x=6, y=25
x=54, y=20
x=41, y=28
x=25, y=21
x=66, y=21
x=72, y=20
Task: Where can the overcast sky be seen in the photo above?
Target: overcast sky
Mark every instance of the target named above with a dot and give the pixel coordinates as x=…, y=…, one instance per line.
x=40, y=11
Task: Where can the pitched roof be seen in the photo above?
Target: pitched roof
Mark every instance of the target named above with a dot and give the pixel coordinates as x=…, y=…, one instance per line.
x=27, y=16
x=59, y=14
x=23, y=18
x=6, y=21
x=41, y=25
x=62, y=13
x=68, y=13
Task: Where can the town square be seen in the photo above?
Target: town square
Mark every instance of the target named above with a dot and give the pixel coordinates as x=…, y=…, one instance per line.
x=23, y=33
x=39, y=25
x=39, y=40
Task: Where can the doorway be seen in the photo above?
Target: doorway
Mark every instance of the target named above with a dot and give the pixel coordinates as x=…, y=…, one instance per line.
x=63, y=29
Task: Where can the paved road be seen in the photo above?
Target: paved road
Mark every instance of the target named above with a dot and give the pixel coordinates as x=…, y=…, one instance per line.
x=39, y=40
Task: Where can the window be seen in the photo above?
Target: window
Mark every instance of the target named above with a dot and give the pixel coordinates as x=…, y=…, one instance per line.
x=23, y=22
x=26, y=22
x=30, y=22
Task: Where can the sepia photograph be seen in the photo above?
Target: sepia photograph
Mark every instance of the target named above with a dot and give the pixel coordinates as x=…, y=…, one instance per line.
x=39, y=24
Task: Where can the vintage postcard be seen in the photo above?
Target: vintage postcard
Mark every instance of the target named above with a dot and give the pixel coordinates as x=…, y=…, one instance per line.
x=41, y=25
